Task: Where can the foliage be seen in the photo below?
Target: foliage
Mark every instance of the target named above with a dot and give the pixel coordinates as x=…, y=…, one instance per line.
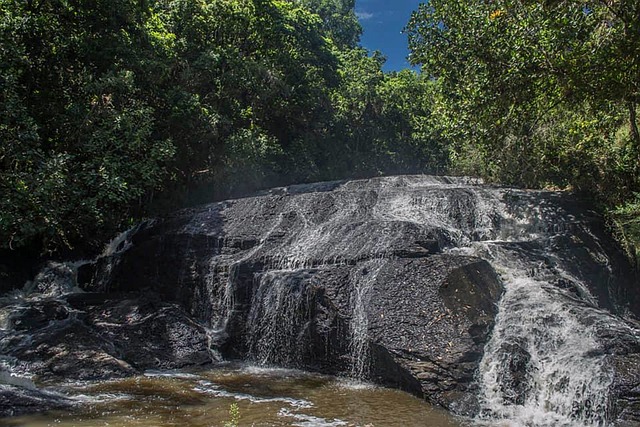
x=78, y=141
x=234, y=415
x=339, y=20
x=536, y=93
x=626, y=224
x=384, y=119
x=539, y=94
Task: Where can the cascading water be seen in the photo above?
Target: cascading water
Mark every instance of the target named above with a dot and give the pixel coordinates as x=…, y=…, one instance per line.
x=278, y=318
x=363, y=280
x=279, y=312
x=562, y=382
x=543, y=365
x=313, y=277
x=372, y=228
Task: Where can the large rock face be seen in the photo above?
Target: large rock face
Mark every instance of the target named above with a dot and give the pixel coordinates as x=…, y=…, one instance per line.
x=393, y=279
x=327, y=277
x=412, y=281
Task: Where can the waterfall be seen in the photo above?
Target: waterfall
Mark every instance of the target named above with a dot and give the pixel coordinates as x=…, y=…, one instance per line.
x=295, y=272
x=279, y=315
x=543, y=365
x=363, y=280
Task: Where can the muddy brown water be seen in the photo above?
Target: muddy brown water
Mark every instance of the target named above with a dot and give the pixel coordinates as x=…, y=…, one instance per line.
x=264, y=397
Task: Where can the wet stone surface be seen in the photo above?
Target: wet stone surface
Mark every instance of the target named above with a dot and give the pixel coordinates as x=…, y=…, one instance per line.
x=396, y=280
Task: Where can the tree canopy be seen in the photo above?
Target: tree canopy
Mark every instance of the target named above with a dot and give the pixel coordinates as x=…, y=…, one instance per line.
x=536, y=93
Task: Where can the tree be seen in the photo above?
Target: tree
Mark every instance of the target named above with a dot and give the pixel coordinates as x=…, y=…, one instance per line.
x=104, y=104
x=534, y=93
x=339, y=20
x=78, y=148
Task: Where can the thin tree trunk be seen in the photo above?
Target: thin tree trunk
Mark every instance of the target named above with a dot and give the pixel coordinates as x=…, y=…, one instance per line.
x=633, y=127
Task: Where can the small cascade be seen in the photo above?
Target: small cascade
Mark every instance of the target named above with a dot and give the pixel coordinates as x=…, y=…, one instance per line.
x=103, y=267
x=279, y=316
x=363, y=280
x=222, y=290
x=121, y=243
x=319, y=239
x=24, y=307
x=458, y=215
x=543, y=365
x=227, y=302
x=54, y=280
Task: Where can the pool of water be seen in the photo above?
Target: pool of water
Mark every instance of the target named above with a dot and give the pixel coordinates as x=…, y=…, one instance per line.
x=264, y=397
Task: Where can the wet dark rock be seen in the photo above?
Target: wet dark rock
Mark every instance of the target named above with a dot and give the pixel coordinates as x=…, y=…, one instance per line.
x=19, y=400
x=82, y=300
x=622, y=347
x=419, y=249
x=514, y=384
x=310, y=249
x=359, y=278
x=433, y=316
x=91, y=338
x=626, y=388
x=85, y=274
x=150, y=334
x=580, y=239
x=38, y=315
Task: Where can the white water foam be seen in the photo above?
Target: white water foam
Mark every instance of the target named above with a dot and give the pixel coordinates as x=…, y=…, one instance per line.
x=564, y=382
x=304, y=420
x=212, y=389
x=543, y=366
x=277, y=318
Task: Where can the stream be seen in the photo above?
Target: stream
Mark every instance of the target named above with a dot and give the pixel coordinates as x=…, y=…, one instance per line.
x=264, y=396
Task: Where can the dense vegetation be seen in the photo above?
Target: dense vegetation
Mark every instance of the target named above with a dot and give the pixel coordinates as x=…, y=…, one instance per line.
x=112, y=110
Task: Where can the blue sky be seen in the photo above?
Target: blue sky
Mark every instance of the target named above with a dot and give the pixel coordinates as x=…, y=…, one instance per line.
x=382, y=22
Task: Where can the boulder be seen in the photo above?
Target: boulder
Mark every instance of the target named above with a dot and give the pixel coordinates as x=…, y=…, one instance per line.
x=87, y=337
x=431, y=317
